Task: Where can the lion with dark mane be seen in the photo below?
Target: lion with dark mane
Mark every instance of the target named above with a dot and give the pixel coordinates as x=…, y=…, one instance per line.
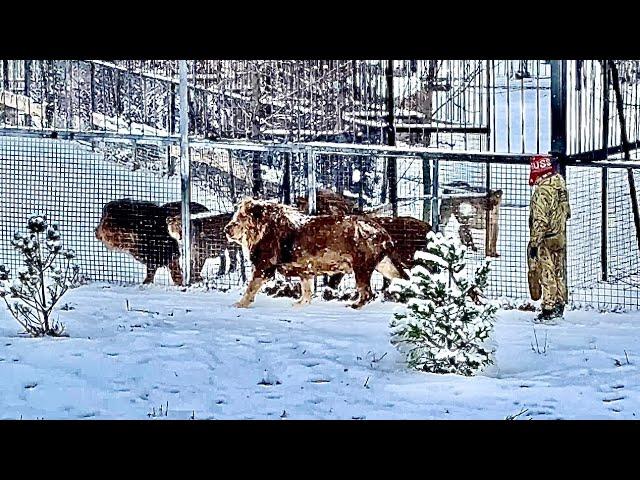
x=140, y=229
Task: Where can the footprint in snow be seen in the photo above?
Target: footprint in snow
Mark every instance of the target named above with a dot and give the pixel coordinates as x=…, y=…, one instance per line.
x=319, y=380
x=613, y=399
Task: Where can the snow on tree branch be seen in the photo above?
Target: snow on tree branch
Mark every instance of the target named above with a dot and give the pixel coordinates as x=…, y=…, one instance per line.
x=48, y=272
x=446, y=318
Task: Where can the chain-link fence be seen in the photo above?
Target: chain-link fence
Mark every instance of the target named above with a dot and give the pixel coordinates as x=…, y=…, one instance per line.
x=485, y=205
x=94, y=144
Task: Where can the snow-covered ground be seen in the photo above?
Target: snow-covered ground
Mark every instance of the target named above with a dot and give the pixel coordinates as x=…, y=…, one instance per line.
x=205, y=359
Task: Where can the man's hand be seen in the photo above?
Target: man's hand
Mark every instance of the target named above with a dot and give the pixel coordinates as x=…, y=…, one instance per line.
x=533, y=252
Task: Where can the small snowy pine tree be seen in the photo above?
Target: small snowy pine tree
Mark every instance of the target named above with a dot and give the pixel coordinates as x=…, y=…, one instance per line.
x=43, y=279
x=447, y=318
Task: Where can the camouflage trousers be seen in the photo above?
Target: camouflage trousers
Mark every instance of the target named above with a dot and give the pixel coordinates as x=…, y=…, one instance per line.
x=549, y=267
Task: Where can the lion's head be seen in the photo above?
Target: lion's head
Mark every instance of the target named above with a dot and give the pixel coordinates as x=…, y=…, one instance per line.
x=123, y=221
x=254, y=218
x=174, y=227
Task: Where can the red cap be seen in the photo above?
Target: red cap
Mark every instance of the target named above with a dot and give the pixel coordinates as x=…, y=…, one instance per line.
x=540, y=166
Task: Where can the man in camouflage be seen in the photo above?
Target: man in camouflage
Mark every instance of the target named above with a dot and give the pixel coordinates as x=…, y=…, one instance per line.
x=548, y=215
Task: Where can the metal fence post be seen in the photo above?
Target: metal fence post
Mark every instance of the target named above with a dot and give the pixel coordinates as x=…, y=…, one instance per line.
x=435, y=187
x=92, y=90
x=361, y=184
x=604, y=220
x=426, y=189
x=311, y=180
x=286, y=180
x=559, y=112
x=5, y=74
x=487, y=213
x=27, y=88
x=172, y=109
x=559, y=132
x=392, y=170
x=185, y=175
x=487, y=218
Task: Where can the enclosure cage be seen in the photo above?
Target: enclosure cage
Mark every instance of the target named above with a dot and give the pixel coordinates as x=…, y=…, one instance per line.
x=408, y=138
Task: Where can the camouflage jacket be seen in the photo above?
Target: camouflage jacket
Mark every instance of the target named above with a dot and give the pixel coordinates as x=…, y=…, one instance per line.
x=549, y=211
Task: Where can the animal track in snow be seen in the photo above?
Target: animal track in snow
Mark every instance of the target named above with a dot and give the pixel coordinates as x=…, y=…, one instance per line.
x=615, y=399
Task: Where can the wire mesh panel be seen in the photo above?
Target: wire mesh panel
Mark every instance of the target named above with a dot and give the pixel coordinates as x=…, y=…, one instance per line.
x=622, y=247
x=360, y=178
x=72, y=182
x=113, y=200
x=491, y=221
x=603, y=260
x=622, y=235
x=486, y=207
x=220, y=179
x=414, y=188
x=584, y=235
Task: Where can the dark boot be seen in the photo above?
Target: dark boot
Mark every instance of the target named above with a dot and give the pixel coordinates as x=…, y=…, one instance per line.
x=544, y=316
x=558, y=310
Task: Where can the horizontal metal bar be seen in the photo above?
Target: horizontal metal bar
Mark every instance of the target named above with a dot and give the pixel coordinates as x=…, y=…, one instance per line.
x=421, y=127
x=86, y=135
x=606, y=164
x=347, y=149
x=407, y=127
x=481, y=157
x=384, y=150
x=245, y=146
x=601, y=153
x=318, y=148
x=416, y=151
